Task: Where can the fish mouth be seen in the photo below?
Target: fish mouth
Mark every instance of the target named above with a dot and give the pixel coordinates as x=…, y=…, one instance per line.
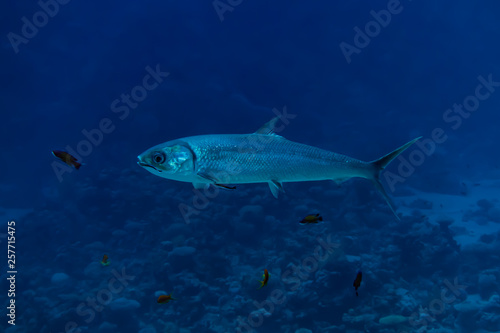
x=142, y=164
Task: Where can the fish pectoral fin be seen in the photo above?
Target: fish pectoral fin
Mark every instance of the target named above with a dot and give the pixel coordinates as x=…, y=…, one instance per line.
x=214, y=181
x=208, y=177
x=201, y=186
x=276, y=187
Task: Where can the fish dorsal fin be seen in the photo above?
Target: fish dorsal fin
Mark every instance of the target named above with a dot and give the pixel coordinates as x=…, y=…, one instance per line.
x=268, y=128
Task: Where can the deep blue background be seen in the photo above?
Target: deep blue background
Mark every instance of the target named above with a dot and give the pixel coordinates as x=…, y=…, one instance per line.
x=227, y=76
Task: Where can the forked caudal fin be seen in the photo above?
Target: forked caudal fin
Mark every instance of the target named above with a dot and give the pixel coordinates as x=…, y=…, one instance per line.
x=380, y=164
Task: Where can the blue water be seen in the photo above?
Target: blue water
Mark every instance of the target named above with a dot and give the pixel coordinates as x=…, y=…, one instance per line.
x=108, y=80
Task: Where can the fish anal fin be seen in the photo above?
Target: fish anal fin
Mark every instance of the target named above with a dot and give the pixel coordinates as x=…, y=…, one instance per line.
x=201, y=186
x=339, y=181
x=276, y=187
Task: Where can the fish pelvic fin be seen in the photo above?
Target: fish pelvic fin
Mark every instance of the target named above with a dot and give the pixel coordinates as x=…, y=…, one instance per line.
x=380, y=164
x=276, y=187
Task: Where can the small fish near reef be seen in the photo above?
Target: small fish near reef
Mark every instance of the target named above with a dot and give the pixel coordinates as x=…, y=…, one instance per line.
x=165, y=299
x=357, y=282
x=67, y=158
x=313, y=218
x=265, y=278
x=260, y=157
x=105, y=261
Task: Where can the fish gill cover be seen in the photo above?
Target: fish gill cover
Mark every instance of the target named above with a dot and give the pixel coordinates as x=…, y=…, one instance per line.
x=94, y=243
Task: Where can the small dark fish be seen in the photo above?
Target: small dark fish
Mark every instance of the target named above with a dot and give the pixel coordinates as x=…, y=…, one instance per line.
x=357, y=282
x=311, y=219
x=67, y=158
x=165, y=299
x=265, y=278
x=104, y=260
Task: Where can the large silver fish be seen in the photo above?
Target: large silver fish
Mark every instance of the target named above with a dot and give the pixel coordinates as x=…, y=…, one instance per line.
x=260, y=157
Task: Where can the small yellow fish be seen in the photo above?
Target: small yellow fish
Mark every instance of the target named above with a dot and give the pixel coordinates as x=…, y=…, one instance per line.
x=265, y=279
x=67, y=158
x=105, y=261
x=165, y=299
x=311, y=219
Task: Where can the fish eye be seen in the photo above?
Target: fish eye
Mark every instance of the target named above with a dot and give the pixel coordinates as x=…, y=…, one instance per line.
x=159, y=157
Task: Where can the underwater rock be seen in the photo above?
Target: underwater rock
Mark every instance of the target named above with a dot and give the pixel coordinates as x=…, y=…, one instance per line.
x=242, y=231
x=93, y=270
x=177, y=229
x=234, y=287
x=350, y=317
x=260, y=312
x=392, y=320
x=487, y=285
x=59, y=278
x=303, y=330
x=474, y=308
x=485, y=204
x=106, y=327
x=98, y=246
x=487, y=238
x=472, y=303
x=158, y=293
x=148, y=329
x=181, y=257
x=490, y=321
x=251, y=210
x=182, y=251
x=420, y=204
x=124, y=304
x=167, y=245
x=133, y=226
x=494, y=214
x=119, y=233
x=352, y=259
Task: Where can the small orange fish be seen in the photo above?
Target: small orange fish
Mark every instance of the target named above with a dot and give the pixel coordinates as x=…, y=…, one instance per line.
x=311, y=219
x=265, y=279
x=357, y=282
x=104, y=260
x=165, y=299
x=67, y=158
